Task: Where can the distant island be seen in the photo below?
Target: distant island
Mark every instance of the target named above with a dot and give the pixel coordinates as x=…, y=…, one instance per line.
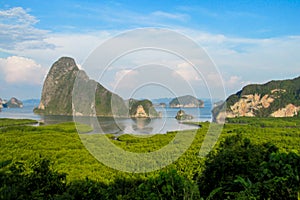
x=12, y=103
x=273, y=99
x=186, y=101
x=57, y=94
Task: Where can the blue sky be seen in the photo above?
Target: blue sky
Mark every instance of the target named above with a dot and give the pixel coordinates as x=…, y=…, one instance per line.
x=249, y=41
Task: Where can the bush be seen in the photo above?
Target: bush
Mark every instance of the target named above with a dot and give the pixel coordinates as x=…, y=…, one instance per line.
x=242, y=170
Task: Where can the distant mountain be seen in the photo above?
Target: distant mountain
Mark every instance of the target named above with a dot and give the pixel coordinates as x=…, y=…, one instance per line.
x=273, y=99
x=186, y=101
x=31, y=101
x=161, y=101
x=91, y=97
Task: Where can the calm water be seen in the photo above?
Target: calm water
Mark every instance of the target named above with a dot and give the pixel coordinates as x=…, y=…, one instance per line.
x=111, y=125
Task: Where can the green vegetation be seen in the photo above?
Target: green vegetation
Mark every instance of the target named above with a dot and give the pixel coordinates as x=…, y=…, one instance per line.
x=186, y=100
x=59, y=93
x=147, y=105
x=284, y=92
x=239, y=169
x=14, y=103
x=255, y=158
x=4, y=122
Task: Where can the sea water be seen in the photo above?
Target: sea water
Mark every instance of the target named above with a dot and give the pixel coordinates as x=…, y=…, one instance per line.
x=120, y=126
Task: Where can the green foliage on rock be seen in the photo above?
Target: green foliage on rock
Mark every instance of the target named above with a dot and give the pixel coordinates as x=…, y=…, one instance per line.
x=14, y=103
x=186, y=100
x=90, y=98
x=283, y=92
x=147, y=105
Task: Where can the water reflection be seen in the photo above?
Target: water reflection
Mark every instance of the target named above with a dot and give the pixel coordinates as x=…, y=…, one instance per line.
x=142, y=125
x=117, y=125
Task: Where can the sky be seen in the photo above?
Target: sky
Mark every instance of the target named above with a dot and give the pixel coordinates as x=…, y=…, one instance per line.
x=247, y=42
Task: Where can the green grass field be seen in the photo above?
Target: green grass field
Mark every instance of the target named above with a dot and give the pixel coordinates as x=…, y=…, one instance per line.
x=62, y=145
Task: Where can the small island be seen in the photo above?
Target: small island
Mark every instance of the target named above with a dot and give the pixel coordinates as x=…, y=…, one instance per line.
x=12, y=103
x=142, y=109
x=181, y=115
x=186, y=101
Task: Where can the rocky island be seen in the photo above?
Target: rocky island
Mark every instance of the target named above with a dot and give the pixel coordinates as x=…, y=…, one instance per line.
x=58, y=93
x=181, y=115
x=142, y=109
x=273, y=99
x=12, y=103
x=186, y=101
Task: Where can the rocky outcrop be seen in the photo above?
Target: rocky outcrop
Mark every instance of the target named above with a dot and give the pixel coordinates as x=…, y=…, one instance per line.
x=58, y=88
x=140, y=112
x=289, y=111
x=181, y=115
x=186, y=101
x=142, y=109
x=14, y=103
x=273, y=99
x=56, y=96
x=249, y=104
x=69, y=91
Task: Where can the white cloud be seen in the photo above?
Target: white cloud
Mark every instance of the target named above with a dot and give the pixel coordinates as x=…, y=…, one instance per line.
x=18, y=32
x=254, y=60
x=125, y=79
x=22, y=70
x=77, y=46
x=186, y=71
x=18, y=15
x=175, y=16
x=240, y=60
x=233, y=80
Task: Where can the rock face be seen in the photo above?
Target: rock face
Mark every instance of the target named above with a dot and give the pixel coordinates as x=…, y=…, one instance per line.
x=140, y=112
x=57, y=93
x=273, y=99
x=181, y=115
x=14, y=103
x=142, y=109
x=186, y=101
x=289, y=111
x=57, y=89
x=249, y=104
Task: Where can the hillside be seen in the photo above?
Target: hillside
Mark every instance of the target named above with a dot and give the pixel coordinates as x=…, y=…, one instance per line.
x=273, y=99
x=56, y=98
x=186, y=101
x=68, y=90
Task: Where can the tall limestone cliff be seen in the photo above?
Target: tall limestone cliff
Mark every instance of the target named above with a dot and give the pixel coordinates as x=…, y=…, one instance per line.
x=58, y=88
x=273, y=99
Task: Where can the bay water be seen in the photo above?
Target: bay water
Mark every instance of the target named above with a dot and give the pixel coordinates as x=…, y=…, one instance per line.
x=120, y=126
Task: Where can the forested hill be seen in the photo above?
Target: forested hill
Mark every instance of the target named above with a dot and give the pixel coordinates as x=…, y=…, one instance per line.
x=276, y=99
x=186, y=101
